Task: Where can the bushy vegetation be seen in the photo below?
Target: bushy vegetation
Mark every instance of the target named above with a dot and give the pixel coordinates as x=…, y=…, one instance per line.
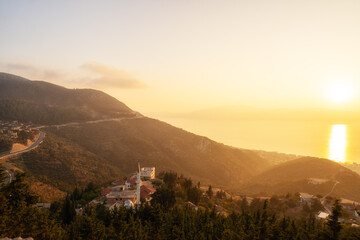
x=23, y=136
x=64, y=165
x=18, y=217
x=27, y=111
x=5, y=144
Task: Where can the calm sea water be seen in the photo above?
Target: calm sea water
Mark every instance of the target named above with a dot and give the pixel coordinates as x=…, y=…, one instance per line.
x=339, y=142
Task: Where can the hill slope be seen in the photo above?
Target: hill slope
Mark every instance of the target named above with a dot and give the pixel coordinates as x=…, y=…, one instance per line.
x=155, y=143
x=116, y=145
x=312, y=175
x=64, y=164
x=45, y=103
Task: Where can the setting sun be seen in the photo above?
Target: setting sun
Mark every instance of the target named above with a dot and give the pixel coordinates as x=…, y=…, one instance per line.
x=339, y=92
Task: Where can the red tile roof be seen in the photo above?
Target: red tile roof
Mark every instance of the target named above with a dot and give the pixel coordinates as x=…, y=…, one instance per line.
x=105, y=191
x=119, y=182
x=146, y=191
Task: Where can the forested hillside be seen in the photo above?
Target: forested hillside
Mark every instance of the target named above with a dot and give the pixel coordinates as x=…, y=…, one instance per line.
x=155, y=143
x=45, y=103
x=65, y=165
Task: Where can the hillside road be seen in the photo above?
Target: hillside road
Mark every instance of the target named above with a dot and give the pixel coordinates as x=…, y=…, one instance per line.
x=31, y=147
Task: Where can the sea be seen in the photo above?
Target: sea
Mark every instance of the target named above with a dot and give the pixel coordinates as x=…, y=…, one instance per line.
x=332, y=140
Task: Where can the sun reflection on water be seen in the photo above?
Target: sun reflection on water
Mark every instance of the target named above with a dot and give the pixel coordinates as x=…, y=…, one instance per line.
x=338, y=143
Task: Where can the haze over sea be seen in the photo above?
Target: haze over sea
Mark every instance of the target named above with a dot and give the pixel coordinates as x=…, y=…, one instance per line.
x=332, y=140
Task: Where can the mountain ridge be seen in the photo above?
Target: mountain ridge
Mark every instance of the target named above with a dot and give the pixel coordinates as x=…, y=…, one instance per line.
x=121, y=143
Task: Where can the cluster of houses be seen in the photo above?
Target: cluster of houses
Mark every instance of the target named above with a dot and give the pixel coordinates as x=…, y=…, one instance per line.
x=11, y=129
x=351, y=209
x=130, y=191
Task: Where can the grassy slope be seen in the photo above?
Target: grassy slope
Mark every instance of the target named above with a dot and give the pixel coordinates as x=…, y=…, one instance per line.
x=64, y=164
x=155, y=143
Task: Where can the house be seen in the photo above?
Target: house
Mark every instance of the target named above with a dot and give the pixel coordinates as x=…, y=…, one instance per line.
x=105, y=191
x=305, y=197
x=121, y=196
x=13, y=134
x=348, y=204
x=118, y=182
x=118, y=188
x=147, y=172
x=131, y=182
x=322, y=216
x=146, y=191
x=43, y=205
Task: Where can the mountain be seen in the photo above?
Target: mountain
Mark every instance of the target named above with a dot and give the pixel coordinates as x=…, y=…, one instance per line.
x=155, y=143
x=102, y=150
x=307, y=174
x=45, y=103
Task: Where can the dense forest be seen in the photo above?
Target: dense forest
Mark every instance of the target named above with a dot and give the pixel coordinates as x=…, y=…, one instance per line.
x=164, y=218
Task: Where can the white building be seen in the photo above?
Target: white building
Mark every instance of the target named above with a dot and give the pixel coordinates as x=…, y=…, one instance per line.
x=148, y=172
x=322, y=216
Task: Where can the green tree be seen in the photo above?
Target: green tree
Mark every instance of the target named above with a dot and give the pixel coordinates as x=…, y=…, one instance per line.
x=170, y=179
x=68, y=210
x=333, y=222
x=187, y=184
x=194, y=195
x=3, y=174
x=316, y=205
x=165, y=197
x=210, y=192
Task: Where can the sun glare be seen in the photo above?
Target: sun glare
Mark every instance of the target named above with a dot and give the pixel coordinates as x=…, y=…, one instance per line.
x=339, y=92
x=338, y=143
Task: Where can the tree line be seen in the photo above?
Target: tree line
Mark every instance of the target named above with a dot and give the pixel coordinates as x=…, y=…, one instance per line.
x=165, y=218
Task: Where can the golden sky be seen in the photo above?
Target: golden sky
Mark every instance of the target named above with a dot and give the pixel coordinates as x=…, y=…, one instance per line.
x=181, y=56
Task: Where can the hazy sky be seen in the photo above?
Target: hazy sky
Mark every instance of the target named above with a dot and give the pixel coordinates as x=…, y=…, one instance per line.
x=179, y=56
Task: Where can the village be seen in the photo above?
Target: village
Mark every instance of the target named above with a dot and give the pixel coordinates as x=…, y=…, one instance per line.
x=135, y=190
x=11, y=129
x=129, y=192
x=14, y=134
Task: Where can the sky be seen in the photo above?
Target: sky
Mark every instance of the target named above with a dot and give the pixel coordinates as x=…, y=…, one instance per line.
x=182, y=56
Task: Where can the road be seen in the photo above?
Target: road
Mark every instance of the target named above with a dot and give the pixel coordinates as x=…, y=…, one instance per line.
x=34, y=145
x=90, y=122
x=323, y=199
x=31, y=147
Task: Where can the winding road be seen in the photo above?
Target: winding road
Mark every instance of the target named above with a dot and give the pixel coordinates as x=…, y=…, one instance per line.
x=31, y=147
x=91, y=122
x=322, y=200
x=8, y=155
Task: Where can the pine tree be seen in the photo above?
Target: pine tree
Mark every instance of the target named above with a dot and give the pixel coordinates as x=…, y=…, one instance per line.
x=68, y=211
x=333, y=223
x=2, y=175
